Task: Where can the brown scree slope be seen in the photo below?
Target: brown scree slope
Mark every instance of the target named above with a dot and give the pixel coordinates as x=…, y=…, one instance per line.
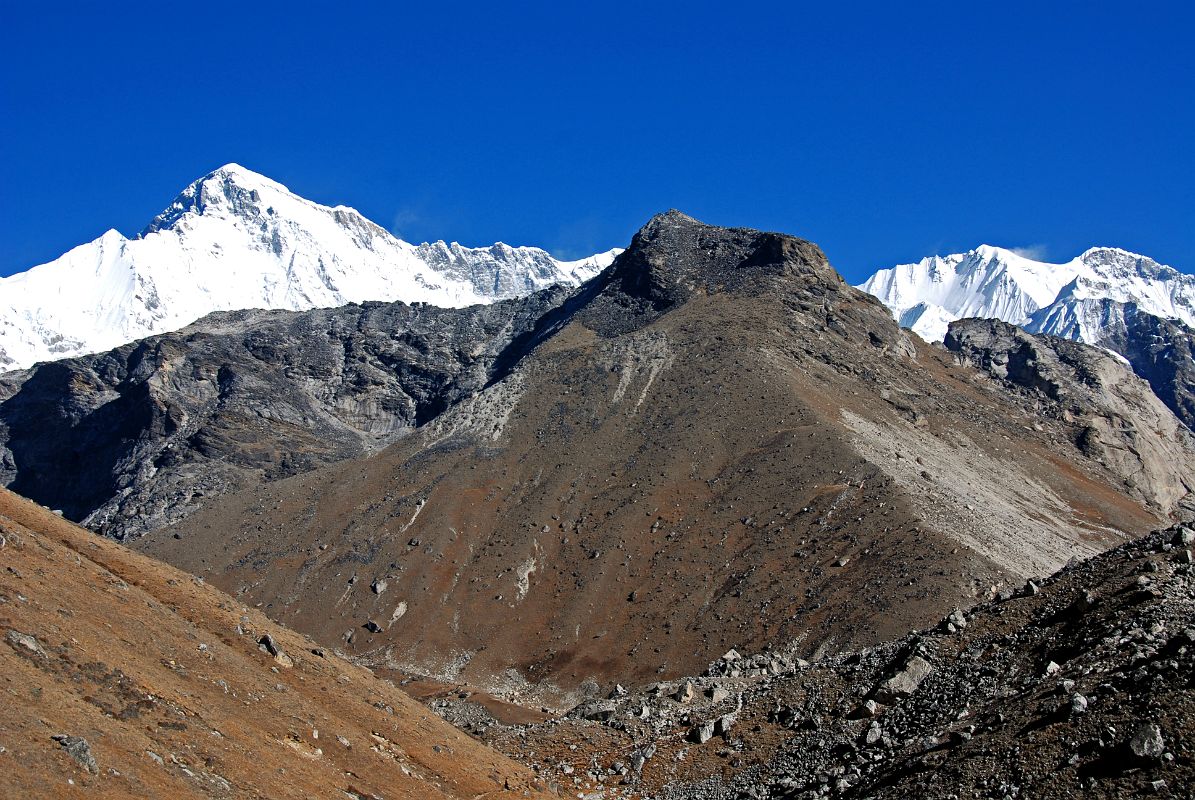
x=716, y=443
x=164, y=679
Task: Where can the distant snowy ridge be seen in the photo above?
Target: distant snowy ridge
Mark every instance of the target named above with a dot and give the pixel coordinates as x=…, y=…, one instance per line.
x=1079, y=299
x=235, y=240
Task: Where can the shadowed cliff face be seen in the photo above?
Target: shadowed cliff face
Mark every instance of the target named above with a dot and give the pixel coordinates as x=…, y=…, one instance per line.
x=136, y=438
x=715, y=443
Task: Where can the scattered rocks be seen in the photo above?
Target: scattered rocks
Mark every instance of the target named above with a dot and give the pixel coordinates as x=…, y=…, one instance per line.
x=1025, y=698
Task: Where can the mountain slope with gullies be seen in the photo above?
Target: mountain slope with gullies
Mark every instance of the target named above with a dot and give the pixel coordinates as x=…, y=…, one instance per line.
x=715, y=443
x=124, y=677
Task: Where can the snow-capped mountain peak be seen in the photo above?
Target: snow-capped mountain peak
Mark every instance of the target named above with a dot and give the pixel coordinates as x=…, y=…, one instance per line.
x=1066, y=299
x=236, y=239
x=986, y=281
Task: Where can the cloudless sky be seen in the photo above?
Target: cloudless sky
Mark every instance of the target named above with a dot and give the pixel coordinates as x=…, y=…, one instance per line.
x=883, y=131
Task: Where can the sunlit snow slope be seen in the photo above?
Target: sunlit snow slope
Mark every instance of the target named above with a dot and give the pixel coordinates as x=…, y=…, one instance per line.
x=234, y=240
x=1071, y=300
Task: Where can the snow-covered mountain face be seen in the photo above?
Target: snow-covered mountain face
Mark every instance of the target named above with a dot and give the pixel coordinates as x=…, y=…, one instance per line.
x=236, y=240
x=1079, y=299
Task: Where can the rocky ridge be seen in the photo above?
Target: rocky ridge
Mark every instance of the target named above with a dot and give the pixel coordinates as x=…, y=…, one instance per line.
x=1162, y=351
x=1107, y=297
x=1114, y=416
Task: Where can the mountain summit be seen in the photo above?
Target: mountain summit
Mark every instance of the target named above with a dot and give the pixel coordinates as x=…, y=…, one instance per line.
x=233, y=240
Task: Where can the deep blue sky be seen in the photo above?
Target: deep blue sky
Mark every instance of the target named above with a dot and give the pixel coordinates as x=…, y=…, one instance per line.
x=884, y=132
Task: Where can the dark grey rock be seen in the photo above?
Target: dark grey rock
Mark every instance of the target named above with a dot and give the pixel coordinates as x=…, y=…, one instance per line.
x=78, y=749
x=702, y=733
x=24, y=641
x=1147, y=743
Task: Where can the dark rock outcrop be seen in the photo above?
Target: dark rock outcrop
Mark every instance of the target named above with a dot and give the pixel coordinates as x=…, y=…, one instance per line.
x=1113, y=416
x=133, y=439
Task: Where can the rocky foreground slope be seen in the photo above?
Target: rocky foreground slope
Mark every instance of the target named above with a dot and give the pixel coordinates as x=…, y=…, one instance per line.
x=715, y=443
x=123, y=677
x=1078, y=685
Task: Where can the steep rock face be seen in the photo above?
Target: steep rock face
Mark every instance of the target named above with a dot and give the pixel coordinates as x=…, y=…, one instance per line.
x=237, y=240
x=128, y=678
x=1114, y=415
x=715, y=443
x=134, y=439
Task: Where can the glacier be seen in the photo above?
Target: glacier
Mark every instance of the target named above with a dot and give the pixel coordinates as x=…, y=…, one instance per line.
x=236, y=240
